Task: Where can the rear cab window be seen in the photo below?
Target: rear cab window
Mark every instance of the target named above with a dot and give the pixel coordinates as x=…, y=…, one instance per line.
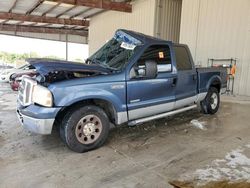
x=183, y=61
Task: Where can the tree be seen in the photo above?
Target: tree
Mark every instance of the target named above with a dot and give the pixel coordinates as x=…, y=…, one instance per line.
x=18, y=59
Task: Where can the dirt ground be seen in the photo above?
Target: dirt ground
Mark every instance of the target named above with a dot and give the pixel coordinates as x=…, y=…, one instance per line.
x=187, y=147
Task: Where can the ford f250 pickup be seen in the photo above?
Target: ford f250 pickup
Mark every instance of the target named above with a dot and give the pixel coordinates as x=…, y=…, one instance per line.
x=132, y=79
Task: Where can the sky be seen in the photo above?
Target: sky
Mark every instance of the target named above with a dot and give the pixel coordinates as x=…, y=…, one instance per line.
x=21, y=45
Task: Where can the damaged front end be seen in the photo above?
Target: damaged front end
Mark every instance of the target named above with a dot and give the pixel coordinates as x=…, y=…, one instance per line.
x=50, y=70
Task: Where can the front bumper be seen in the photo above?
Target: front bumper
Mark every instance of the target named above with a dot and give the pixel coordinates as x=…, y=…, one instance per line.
x=39, y=126
x=37, y=119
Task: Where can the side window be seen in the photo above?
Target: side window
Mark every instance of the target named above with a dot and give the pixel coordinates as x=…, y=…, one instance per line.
x=182, y=58
x=158, y=53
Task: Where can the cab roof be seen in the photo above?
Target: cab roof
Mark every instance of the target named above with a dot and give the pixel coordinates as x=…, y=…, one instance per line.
x=144, y=38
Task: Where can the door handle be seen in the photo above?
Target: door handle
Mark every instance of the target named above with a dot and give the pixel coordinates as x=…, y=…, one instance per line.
x=174, y=82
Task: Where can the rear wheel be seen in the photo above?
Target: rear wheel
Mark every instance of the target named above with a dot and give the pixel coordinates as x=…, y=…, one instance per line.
x=211, y=103
x=85, y=128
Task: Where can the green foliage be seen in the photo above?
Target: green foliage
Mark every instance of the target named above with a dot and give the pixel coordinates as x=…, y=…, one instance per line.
x=12, y=58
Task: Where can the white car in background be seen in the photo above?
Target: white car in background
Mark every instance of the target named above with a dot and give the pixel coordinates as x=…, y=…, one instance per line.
x=4, y=67
x=6, y=74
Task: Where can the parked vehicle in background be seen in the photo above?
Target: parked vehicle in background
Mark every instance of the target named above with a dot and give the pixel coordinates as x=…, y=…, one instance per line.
x=4, y=67
x=16, y=78
x=6, y=74
x=132, y=79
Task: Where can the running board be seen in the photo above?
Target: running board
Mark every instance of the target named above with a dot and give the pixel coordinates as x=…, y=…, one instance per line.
x=142, y=120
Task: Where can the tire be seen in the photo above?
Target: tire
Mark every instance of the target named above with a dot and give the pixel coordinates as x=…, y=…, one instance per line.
x=211, y=103
x=10, y=77
x=85, y=128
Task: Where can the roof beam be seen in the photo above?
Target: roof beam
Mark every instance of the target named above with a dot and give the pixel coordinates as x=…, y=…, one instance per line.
x=102, y=4
x=35, y=7
x=13, y=6
x=34, y=29
x=42, y=19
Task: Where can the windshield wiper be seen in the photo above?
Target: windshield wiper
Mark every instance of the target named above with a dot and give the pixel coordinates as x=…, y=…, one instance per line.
x=90, y=61
x=95, y=61
x=107, y=67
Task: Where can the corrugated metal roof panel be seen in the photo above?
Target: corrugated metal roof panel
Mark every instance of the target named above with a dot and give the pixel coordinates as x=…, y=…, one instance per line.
x=76, y=10
x=56, y=25
x=41, y=9
x=65, y=5
x=58, y=10
x=12, y=22
x=24, y=5
x=6, y=5
x=90, y=12
x=27, y=23
x=41, y=24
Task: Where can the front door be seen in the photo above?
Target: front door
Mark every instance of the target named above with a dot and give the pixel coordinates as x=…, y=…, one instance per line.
x=146, y=97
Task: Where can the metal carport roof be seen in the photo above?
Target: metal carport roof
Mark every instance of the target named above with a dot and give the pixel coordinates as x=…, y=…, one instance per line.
x=71, y=17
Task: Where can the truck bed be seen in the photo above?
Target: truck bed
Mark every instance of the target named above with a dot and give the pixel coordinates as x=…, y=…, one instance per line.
x=206, y=73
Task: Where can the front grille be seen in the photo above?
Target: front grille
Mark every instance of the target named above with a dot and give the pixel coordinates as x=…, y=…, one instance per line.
x=25, y=91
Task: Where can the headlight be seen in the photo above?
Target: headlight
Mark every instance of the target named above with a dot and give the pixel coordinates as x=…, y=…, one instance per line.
x=41, y=95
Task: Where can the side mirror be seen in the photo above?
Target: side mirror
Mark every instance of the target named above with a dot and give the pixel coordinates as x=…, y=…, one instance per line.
x=151, y=69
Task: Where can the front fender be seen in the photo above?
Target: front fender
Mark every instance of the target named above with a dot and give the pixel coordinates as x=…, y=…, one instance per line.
x=72, y=94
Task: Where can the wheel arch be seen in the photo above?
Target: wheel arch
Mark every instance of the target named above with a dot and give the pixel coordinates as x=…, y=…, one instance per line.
x=215, y=81
x=106, y=105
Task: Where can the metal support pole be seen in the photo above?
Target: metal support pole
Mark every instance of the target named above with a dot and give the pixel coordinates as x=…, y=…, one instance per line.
x=66, y=47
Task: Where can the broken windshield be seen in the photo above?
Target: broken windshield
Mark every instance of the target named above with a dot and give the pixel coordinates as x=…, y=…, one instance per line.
x=116, y=52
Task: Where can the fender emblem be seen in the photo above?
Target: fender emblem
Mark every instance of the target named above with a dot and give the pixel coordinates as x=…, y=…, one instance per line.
x=118, y=86
x=136, y=100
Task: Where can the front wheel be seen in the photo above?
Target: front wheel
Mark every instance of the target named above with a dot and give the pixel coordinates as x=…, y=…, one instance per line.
x=211, y=103
x=85, y=128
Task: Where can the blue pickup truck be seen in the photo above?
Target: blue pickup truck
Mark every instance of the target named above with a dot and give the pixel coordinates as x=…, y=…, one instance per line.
x=133, y=78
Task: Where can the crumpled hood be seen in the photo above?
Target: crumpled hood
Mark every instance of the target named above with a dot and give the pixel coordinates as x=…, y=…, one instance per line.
x=46, y=66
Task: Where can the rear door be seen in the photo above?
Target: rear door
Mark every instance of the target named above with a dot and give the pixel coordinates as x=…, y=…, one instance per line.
x=146, y=97
x=186, y=87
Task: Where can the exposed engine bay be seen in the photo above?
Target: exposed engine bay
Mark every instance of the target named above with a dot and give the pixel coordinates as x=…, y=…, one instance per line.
x=57, y=76
x=50, y=71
